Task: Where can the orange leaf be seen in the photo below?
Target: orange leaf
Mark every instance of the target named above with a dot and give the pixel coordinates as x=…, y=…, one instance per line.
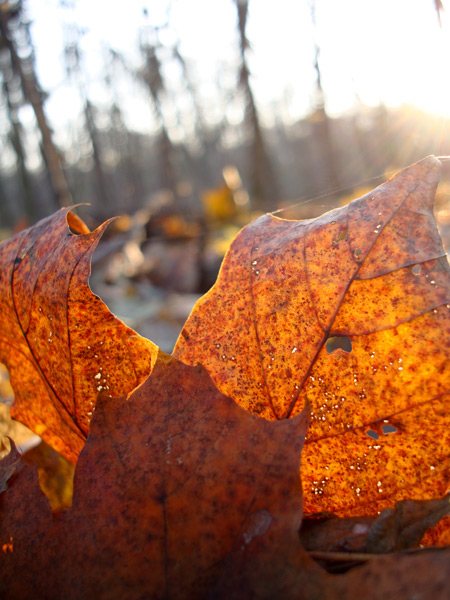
x=175, y=484
x=59, y=341
x=351, y=312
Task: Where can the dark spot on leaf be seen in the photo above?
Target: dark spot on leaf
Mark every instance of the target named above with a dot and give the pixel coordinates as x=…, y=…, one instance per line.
x=334, y=343
x=388, y=429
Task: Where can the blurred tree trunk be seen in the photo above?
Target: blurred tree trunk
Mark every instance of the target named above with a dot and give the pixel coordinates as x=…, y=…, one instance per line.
x=199, y=119
x=121, y=140
x=74, y=70
x=6, y=218
x=134, y=189
x=264, y=186
x=33, y=94
x=322, y=124
x=15, y=137
x=151, y=75
x=106, y=194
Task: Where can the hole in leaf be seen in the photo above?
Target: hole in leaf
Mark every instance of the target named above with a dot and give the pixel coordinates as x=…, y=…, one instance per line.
x=358, y=252
x=388, y=429
x=334, y=343
x=373, y=434
x=416, y=270
x=76, y=225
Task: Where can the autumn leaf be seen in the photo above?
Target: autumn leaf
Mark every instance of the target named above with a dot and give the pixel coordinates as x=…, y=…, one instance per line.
x=181, y=494
x=59, y=341
x=351, y=312
x=174, y=481
x=399, y=528
x=439, y=535
x=178, y=492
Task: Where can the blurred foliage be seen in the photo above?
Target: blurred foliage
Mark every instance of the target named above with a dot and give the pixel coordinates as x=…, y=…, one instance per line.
x=185, y=189
x=55, y=475
x=187, y=159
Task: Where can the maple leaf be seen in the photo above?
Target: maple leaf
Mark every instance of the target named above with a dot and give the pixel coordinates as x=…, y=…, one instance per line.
x=351, y=312
x=174, y=481
x=178, y=492
x=181, y=494
x=59, y=341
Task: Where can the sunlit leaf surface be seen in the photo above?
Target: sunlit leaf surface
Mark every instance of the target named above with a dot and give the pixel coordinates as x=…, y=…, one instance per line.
x=59, y=341
x=352, y=312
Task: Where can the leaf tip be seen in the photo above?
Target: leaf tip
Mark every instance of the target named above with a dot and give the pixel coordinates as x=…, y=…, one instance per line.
x=10, y=464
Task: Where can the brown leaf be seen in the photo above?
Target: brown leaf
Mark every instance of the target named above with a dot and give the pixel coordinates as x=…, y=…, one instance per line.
x=422, y=576
x=176, y=484
x=10, y=466
x=59, y=341
x=329, y=533
x=351, y=312
x=395, y=529
x=403, y=526
x=182, y=499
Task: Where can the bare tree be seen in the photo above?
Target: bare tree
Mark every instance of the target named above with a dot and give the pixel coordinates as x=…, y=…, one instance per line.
x=14, y=99
x=119, y=136
x=321, y=123
x=264, y=187
x=16, y=38
x=151, y=75
x=75, y=72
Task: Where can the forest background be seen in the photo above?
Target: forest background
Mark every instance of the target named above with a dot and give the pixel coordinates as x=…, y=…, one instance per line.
x=191, y=117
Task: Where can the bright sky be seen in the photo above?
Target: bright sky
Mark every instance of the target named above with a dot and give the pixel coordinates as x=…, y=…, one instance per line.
x=390, y=51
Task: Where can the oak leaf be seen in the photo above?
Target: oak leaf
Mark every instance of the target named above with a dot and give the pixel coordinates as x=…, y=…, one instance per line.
x=349, y=311
x=59, y=341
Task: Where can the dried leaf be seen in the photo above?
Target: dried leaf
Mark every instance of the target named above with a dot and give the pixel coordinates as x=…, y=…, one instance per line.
x=351, y=312
x=10, y=466
x=403, y=526
x=59, y=341
x=179, y=493
x=329, y=533
x=399, y=528
x=423, y=575
x=182, y=499
x=175, y=484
